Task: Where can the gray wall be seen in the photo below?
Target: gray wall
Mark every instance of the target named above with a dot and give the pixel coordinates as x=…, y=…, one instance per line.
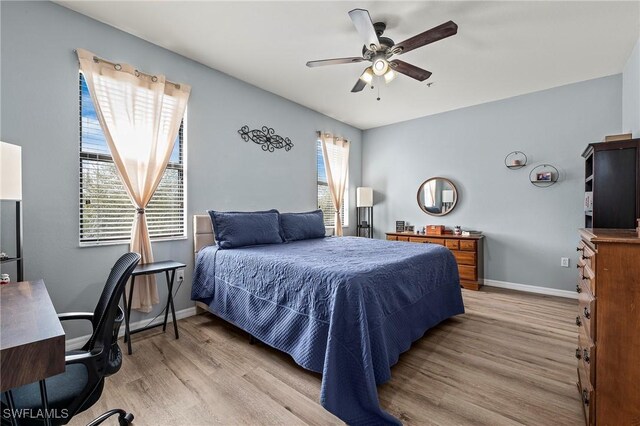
x=39, y=111
x=527, y=228
x=631, y=93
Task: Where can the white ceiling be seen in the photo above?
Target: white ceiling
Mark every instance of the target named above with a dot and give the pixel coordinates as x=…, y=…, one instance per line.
x=502, y=49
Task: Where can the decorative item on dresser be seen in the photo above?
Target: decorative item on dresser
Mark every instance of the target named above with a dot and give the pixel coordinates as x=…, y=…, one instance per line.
x=612, y=184
x=364, y=212
x=467, y=250
x=608, y=321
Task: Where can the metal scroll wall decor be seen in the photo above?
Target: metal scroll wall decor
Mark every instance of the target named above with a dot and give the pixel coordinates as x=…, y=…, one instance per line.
x=266, y=138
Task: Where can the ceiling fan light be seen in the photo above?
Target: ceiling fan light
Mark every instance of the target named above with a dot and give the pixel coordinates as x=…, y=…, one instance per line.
x=367, y=76
x=380, y=66
x=389, y=76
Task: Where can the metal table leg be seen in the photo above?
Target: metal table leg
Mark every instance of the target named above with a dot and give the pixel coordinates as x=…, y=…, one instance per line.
x=166, y=308
x=170, y=303
x=45, y=402
x=128, y=315
x=12, y=408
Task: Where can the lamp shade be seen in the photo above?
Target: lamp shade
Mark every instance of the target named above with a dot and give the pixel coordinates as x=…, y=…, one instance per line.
x=10, y=172
x=447, y=196
x=364, y=197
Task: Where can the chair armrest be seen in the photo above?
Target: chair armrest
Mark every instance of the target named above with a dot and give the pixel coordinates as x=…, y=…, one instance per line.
x=82, y=358
x=76, y=316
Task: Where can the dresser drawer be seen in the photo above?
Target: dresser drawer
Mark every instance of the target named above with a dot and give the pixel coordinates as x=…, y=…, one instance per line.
x=587, y=397
x=434, y=241
x=452, y=244
x=468, y=245
x=587, y=314
x=416, y=240
x=586, y=356
x=587, y=279
x=468, y=272
x=587, y=255
x=392, y=238
x=584, y=286
x=403, y=238
x=465, y=257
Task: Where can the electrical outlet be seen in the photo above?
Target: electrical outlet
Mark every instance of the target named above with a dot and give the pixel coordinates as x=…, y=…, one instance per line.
x=564, y=262
x=180, y=275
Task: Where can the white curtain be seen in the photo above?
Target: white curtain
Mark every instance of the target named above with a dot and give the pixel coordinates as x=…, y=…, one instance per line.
x=140, y=115
x=335, y=152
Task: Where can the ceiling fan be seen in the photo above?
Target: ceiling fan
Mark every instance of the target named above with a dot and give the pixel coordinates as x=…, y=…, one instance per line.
x=378, y=50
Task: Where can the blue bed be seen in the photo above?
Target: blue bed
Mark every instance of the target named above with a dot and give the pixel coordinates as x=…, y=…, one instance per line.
x=344, y=307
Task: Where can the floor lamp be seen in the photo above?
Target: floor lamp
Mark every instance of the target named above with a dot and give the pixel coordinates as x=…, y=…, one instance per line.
x=364, y=210
x=11, y=190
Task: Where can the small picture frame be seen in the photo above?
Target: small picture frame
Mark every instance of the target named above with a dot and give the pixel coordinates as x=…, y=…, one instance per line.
x=543, y=177
x=409, y=228
x=399, y=225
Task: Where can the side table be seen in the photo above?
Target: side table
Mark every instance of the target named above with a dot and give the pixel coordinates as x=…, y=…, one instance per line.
x=169, y=268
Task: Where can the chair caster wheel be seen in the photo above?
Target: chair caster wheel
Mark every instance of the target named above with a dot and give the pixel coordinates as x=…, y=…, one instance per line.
x=126, y=420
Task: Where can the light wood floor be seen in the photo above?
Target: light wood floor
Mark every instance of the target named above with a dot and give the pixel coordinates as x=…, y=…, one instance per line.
x=508, y=360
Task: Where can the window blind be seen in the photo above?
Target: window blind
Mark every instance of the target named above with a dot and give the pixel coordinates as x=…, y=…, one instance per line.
x=106, y=212
x=324, y=196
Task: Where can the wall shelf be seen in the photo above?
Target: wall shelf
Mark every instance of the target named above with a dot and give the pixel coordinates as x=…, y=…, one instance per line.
x=544, y=170
x=515, y=160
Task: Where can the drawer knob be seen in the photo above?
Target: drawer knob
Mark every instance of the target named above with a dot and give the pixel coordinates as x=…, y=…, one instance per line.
x=585, y=397
x=587, y=314
x=583, y=257
x=580, y=249
x=584, y=277
x=578, y=353
x=578, y=289
x=585, y=355
x=578, y=322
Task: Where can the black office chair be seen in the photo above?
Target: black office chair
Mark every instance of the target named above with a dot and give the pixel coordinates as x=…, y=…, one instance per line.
x=80, y=386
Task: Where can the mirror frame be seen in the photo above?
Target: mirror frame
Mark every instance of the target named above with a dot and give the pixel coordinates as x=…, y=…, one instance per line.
x=455, y=196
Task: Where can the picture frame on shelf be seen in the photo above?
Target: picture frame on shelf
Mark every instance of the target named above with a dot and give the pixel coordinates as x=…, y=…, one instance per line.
x=400, y=225
x=543, y=177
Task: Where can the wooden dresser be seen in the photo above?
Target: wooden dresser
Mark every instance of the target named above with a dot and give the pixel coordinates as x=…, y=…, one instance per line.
x=608, y=319
x=467, y=250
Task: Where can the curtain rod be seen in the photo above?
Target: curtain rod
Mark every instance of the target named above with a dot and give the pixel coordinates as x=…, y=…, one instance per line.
x=319, y=134
x=118, y=67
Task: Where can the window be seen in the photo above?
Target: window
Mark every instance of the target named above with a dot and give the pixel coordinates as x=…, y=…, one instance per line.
x=324, y=196
x=106, y=213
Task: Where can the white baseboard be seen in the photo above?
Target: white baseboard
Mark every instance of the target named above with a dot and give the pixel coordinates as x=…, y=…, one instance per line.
x=77, y=342
x=532, y=289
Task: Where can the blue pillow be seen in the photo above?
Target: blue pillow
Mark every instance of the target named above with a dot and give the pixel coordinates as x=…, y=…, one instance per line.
x=239, y=229
x=302, y=226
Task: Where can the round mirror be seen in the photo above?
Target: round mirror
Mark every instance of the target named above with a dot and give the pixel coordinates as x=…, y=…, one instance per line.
x=437, y=196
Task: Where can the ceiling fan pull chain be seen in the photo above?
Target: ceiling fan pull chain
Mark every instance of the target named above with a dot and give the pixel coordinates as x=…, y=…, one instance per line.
x=378, y=92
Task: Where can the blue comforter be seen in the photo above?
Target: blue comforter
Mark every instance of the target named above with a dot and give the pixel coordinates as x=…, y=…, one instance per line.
x=344, y=307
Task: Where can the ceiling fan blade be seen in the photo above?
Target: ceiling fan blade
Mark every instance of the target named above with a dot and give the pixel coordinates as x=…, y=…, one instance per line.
x=362, y=21
x=434, y=34
x=335, y=61
x=409, y=70
x=359, y=86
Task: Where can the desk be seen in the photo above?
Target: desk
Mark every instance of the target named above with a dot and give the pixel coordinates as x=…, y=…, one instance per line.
x=32, y=345
x=150, y=269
